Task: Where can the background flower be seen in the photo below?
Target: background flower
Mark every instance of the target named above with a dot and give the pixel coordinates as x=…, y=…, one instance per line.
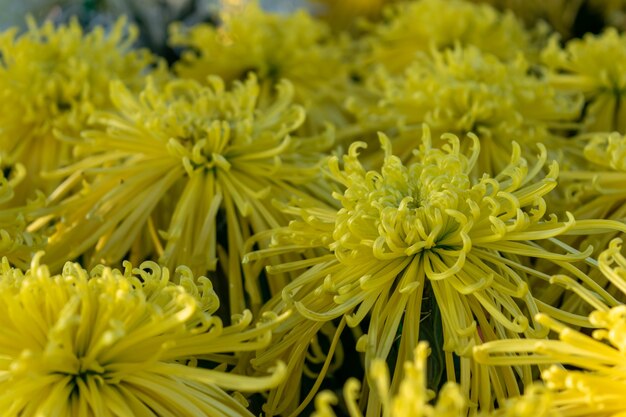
x=347, y=14
x=51, y=81
x=16, y=243
x=594, y=66
x=570, y=18
x=462, y=90
x=414, y=26
x=274, y=46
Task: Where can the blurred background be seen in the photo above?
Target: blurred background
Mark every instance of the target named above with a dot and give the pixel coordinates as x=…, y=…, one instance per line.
x=571, y=18
x=152, y=16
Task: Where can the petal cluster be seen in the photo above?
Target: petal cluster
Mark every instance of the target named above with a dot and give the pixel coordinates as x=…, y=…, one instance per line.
x=117, y=343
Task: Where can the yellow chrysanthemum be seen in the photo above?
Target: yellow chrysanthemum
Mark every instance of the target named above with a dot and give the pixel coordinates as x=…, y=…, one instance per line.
x=414, y=26
x=428, y=229
x=296, y=47
x=596, y=67
x=464, y=90
x=51, y=81
x=594, y=381
x=169, y=164
x=413, y=397
x=111, y=343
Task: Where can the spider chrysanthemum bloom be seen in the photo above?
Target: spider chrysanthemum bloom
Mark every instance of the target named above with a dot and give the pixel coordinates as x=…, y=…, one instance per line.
x=412, y=26
x=111, y=343
x=413, y=398
x=429, y=229
x=275, y=46
x=595, y=66
x=171, y=162
x=52, y=79
x=594, y=381
x=464, y=90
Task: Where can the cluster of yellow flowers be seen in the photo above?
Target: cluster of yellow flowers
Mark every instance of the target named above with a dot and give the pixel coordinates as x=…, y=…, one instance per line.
x=420, y=212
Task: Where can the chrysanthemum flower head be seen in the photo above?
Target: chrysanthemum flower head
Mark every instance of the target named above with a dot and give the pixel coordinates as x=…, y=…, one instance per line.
x=428, y=229
x=413, y=26
x=170, y=162
x=413, y=399
x=52, y=79
x=111, y=343
x=595, y=66
x=464, y=90
x=585, y=372
x=275, y=46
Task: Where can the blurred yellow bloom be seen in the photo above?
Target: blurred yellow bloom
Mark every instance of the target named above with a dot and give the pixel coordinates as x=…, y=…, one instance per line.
x=413, y=397
x=607, y=151
x=112, y=343
x=296, y=47
x=16, y=244
x=596, y=67
x=426, y=229
x=594, y=381
x=562, y=15
x=536, y=402
x=51, y=81
x=345, y=14
x=412, y=26
x=170, y=163
x=464, y=90
x=598, y=189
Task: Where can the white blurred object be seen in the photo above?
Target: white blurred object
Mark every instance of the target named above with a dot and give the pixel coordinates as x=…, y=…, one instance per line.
x=284, y=6
x=13, y=13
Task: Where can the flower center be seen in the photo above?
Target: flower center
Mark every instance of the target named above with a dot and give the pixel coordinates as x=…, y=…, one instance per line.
x=401, y=212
